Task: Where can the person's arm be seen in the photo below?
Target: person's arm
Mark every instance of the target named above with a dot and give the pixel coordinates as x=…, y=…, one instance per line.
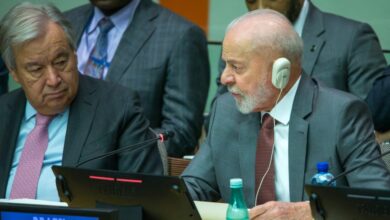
x=186, y=89
x=365, y=61
x=200, y=174
x=200, y=177
x=134, y=128
x=356, y=144
x=379, y=103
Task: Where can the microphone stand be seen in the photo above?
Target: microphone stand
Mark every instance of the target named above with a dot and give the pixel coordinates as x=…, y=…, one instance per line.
x=132, y=147
x=357, y=167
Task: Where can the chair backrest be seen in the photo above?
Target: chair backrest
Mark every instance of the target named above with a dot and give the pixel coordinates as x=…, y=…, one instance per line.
x=176, y=166
x=385, y=146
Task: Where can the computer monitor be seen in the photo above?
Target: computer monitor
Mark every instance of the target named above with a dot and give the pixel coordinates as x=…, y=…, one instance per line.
x=12, y=211
x=329, y=202
x=160, y=197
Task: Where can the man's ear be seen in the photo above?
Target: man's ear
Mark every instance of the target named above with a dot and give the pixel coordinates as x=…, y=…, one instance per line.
x=14, y=75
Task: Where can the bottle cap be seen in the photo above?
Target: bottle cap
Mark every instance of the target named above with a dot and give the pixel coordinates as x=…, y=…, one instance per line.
x=236, y=183
x=322, y=166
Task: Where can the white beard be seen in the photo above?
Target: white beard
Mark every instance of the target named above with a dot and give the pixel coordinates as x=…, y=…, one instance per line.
x=247, y=103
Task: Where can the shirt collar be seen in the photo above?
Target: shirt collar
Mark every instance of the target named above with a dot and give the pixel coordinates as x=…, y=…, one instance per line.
x=298, y=24
x=31, y=112
x=281, y=112
x=121, y=19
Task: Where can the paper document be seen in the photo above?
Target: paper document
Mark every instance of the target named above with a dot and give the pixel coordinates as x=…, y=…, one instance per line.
x=33, y=202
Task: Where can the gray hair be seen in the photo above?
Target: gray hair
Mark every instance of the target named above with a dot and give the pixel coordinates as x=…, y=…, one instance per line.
x=26, y=22
x=283, y=37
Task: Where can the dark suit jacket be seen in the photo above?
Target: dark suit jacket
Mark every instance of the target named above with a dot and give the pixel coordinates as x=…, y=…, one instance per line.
x=102, y=117
x=3, y=78
x=342, y=53
x=378, y=101
x=164, y=58
x=325, y=125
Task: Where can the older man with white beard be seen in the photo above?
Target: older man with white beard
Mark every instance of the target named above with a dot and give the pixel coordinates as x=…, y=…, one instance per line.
x=277, y=123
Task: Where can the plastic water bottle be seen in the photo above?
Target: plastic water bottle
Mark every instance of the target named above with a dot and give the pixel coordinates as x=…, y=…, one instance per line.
x=237, y=209
x=323, y=177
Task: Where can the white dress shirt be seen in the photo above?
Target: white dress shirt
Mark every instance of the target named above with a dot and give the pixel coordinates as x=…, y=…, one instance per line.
x=300, y=22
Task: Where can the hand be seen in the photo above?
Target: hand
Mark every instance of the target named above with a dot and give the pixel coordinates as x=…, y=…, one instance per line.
x=281, y=210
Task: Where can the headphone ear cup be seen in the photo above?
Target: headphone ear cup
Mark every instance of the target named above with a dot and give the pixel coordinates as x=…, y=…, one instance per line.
x=281, y=72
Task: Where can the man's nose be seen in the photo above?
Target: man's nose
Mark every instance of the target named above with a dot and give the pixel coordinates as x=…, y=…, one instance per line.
x=227, y=78
x=53, y=78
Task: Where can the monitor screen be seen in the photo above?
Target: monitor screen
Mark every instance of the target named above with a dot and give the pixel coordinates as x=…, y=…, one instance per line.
x=157, y=197
x=329, y=202
x=12, y=211
x=7, y=215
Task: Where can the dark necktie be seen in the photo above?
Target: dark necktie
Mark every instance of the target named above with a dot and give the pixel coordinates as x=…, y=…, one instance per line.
x=30, y=163
x=98, y=59
x=265, y=144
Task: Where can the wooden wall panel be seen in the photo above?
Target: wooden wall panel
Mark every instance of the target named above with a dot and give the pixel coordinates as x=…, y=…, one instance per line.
x=196, y=11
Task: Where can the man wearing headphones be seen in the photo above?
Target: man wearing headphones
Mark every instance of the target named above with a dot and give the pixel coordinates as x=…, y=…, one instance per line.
x=277, y=123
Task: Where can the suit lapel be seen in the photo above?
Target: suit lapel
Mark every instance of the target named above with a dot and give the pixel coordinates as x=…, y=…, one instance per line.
x=313, y=37
x=81, y=114
x=133, y=39
x=78, y=27
x=297, y=156
x=249, y=129
x=298, y=136
x=9, y=130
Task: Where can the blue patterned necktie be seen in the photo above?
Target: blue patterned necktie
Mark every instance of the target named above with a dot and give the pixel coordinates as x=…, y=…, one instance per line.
x=98, y=59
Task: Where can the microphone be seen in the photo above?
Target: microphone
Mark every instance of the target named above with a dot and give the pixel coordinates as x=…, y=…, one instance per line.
x=357, y=167
x=163, y=136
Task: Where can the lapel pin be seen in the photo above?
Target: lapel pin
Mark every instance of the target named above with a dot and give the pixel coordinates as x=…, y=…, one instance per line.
x=313, y=48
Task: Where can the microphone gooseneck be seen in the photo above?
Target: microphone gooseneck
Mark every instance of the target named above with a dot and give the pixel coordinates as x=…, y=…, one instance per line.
x=357, y=167
x=163, y=136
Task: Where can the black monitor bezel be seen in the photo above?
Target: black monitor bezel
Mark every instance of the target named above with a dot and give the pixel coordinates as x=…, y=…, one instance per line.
x=164, y=196
x=329, y=202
